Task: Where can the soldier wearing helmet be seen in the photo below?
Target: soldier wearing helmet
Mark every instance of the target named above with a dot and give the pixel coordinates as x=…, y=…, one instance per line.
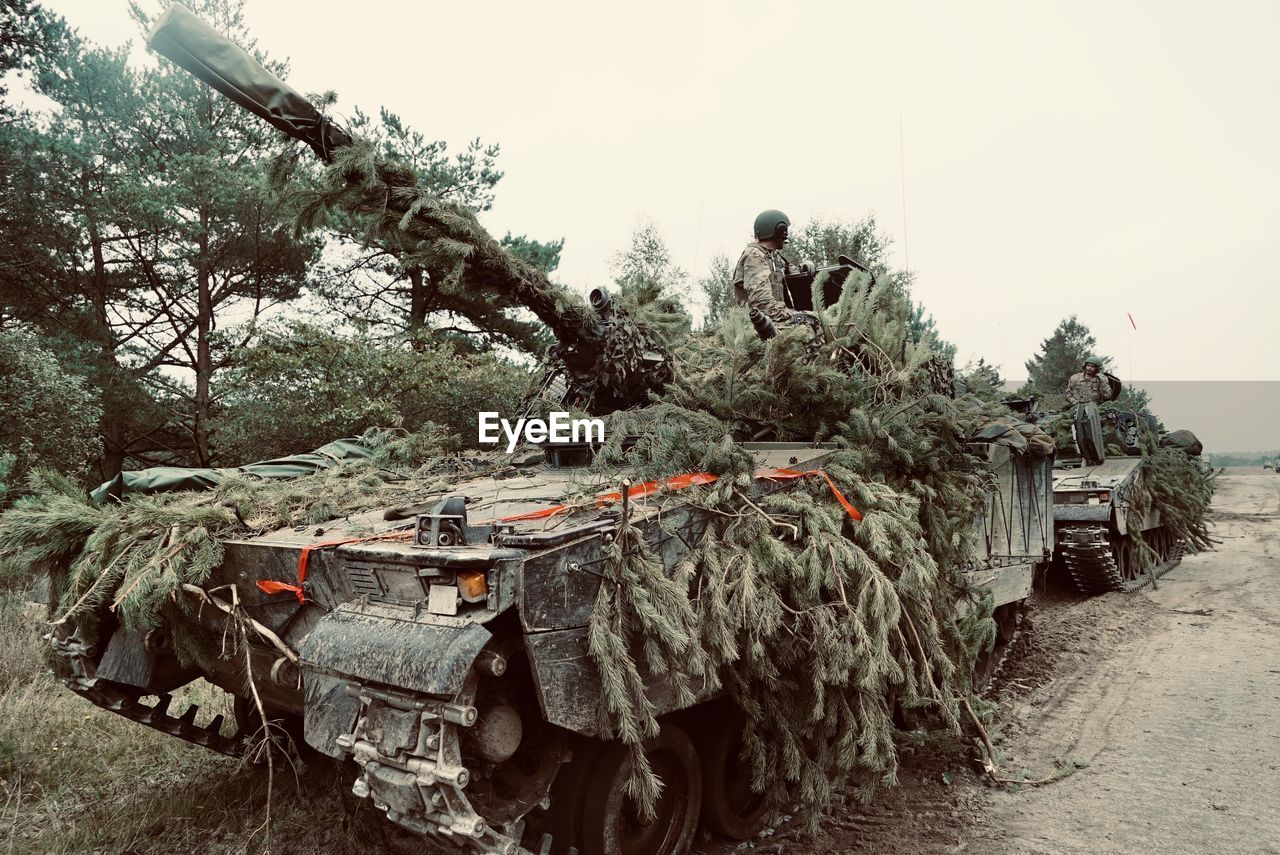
x=1089, y=384
x=759, y=276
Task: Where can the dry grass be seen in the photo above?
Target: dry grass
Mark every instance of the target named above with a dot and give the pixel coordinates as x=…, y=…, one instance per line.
x=77, y=779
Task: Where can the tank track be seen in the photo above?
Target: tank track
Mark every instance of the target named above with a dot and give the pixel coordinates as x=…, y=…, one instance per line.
x=987, y=688
x=1086, y=553
x=76, y=670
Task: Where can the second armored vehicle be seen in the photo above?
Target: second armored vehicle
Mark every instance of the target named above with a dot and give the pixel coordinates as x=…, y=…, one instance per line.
x=1094, y=498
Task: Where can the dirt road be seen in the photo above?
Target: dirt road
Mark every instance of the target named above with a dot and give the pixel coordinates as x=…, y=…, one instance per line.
x=1166, y=703
x=1179, y=724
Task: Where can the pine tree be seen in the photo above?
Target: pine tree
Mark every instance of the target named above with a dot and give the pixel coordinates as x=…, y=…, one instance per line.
x=1060, y=356
x=983, y=380
x=144, y=204
x=717, y=290
x=821, y=241
x=650, y=281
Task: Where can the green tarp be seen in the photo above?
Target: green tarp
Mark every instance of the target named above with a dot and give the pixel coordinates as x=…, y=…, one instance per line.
x=173, y=479
x=1016, y=434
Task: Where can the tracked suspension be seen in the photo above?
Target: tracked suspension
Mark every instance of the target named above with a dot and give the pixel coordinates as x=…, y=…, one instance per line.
x=77, y=671
x=1099, y=565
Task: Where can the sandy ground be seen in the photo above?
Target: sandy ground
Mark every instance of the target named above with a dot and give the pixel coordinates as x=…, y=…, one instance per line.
x=1167, y=704
x=1181, y=726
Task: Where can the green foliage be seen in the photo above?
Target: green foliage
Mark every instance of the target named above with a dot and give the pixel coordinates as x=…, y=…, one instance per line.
x=652, y=284
x=50, y=417
x=8, y=462
x=482, y=277
x=26, y=32
x=717, y=290
x=144, y=223
x=302, y=385
x=1135, y=400
x=133, y=557
x=383, y=278
x=983, y=380
x=1181, y=489
x=642, y=603
x=469, y=177
x=544, y=256
x=821, y=241
x=923, y=326
x=1060, y=356
x=815, y=624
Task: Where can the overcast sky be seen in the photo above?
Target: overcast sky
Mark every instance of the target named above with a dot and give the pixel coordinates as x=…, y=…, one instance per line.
x=1089, y=158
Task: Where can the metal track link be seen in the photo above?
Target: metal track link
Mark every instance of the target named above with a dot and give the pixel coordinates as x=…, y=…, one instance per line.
x=1086, y=553
x=76, y=671
x=1159, y=570
x=993, y=682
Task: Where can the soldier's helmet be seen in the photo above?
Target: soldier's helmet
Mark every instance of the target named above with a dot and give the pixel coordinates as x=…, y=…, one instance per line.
x=771, y=224
x=1092, y=360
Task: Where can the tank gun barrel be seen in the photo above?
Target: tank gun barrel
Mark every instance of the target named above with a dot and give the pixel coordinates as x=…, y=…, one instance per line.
x=205, y=53
x=612, y=362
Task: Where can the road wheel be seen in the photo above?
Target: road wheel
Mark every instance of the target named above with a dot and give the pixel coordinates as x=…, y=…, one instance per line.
x=568, y=798
x=612, y=824
x=1122, y=552
x=729, y=806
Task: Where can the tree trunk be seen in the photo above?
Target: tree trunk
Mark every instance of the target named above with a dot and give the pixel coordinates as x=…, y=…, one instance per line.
x=419, y=304
x=111, y=426
x=204, y=356
x=114, y=442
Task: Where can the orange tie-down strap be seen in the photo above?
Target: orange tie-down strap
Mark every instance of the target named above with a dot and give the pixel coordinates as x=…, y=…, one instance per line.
x=638, y=491
x=272, y=586
x=679, y=482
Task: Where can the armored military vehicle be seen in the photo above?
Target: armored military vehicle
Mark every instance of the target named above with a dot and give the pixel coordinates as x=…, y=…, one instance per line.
x=443, y=650
x=447, y=656
x=1015, y=537
x=1093, y=495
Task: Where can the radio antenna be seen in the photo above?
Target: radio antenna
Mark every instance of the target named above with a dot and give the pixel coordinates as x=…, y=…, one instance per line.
x=902, y=172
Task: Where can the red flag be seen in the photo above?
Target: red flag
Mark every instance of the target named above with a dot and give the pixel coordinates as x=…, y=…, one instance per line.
x=1135, y=326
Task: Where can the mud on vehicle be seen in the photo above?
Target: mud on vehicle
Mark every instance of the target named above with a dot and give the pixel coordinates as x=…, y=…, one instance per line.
x=446, y=657
x=442, y=650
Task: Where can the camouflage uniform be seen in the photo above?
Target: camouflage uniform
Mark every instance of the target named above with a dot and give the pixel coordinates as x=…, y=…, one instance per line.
x=1082, y=389
x=758, y=280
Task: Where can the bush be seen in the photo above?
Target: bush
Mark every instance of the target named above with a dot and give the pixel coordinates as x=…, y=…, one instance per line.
x=303, y=385
x=47, y=416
